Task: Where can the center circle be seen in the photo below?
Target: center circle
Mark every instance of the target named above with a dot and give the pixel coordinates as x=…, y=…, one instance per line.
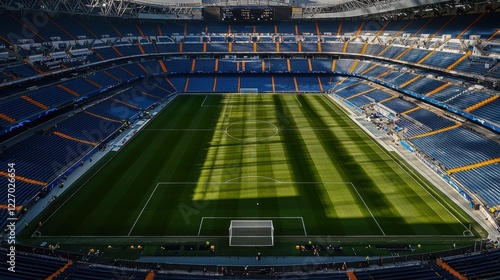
x=251, y=131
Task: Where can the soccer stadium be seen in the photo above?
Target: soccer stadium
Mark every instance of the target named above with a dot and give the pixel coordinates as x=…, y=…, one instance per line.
x=208, y=139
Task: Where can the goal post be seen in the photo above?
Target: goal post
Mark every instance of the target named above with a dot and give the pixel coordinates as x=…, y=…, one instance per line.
x=251, y=233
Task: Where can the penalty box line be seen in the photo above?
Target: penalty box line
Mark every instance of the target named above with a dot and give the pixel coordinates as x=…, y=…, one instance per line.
x=229, y=182
x=254, y=218
x=367, y=208
x=146, y=204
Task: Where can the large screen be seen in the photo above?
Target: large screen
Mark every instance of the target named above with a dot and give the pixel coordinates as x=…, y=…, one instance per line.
x=211, y=13
x=242, y=14
x=247, y=14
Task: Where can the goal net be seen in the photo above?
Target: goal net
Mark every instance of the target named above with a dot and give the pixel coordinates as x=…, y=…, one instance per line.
x=249, y=90
x=251, y=233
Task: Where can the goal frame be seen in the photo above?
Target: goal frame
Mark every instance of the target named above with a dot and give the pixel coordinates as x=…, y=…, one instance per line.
x=249, y=91
x=266, y=225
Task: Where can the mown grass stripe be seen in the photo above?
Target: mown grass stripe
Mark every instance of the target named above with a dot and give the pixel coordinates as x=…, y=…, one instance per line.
x=417, y=207
x=344, y=165
x=316, y=144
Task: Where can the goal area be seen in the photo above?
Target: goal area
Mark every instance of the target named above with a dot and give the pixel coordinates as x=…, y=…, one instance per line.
x=251, y=233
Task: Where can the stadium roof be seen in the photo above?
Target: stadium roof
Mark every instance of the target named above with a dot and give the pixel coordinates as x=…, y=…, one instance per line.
x=191, y=9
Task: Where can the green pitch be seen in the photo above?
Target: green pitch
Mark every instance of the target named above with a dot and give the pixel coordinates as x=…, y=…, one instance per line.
x=295, y=159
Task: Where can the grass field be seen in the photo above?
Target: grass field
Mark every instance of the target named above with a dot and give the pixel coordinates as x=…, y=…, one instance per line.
x=208, y=159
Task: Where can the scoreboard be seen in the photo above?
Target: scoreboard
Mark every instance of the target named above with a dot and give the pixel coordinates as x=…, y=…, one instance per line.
x=246, y=14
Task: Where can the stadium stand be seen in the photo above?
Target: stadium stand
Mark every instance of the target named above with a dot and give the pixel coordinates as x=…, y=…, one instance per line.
x=430, y=119
x=488, y=110
x=412, y=128
x=81, y=132
x=459, y=97
x=425, y=85
x=477, y=266
x=377, y=95
x=355, y=89
x=482, y=181
x=18, y=109
x=480, y=265
x=360, y=100
x=90, y=272
x=37, y=163
x=32, y=266
x=398, y=105
x=52, y=96
x=457, y=147
x=416, y=272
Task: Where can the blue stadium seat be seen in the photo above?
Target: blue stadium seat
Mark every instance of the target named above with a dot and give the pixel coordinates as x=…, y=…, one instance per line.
x=441, y=59
x=377, y=95
x=483, y=181
x=332, y=47
x=457, y=147
x=321, y=65
x=227, y=83
x=299, y=65
x=308, y=83
x=30, y=266
x=410, y=127
x=354, y=47
x=217, y=47
x=192, y=47
x=242, y=47
x=398, y=105
x=489, y=111
x=203, y=83
x=347, y=91
x=284, y=83
x=430, y=119
x=52, y=96
x=261, y=83
x=477, y=266
x=343, y=65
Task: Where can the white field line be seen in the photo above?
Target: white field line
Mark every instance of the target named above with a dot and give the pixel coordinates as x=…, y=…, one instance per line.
x=257, y=218
x=223, y=129
x=229, y=182
x=300, y=104
x=181, y=129
x=367, y=208
x=304, y=226
x=232, y=97
x=201, y=224
x=243, y=177
x=412, y=175
x=363, y=129
x=261, y=105
x=203, y=103
x=146, y=204
x=280, y=236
